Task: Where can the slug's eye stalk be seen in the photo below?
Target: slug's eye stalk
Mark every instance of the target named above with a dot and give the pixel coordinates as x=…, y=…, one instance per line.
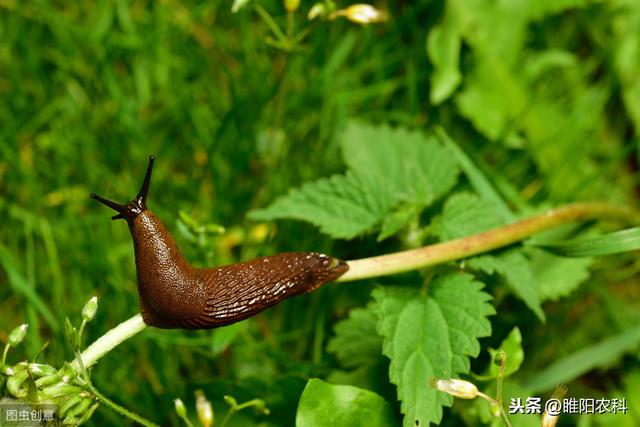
x=135, y=207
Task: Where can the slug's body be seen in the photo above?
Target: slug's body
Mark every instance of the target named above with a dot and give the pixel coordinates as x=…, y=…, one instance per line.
x=173, y=294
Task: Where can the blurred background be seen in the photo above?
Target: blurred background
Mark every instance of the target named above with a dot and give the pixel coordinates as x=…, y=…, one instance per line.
x=544, y=95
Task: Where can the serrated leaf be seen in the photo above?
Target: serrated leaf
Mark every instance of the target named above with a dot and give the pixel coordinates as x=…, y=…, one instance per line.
x=516, y=270
x=431, y=335
x=557, y=276
x=343, y=206
x=417, y=167
x=323, y=404
x=387, y=166
x=464, y=214
x=356, y=339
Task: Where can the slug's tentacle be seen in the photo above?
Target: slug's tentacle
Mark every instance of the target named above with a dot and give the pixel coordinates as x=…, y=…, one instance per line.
x=141, y=198
x=173, y=294
x=131, y=210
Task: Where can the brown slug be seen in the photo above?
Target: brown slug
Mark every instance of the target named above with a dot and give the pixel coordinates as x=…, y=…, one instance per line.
x=173, y=294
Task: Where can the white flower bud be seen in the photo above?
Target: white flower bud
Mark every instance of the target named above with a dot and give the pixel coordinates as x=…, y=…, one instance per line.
x=362, y=14
x=17, y=335
x=458, y=388
x=89, y=309
x=204, y=409
x=180, y=408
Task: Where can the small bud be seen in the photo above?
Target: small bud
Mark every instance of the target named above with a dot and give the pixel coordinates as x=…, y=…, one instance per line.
x=261, y=406
x=362, y=14
x=458, y=388
x=89, y=309
x=317, y=10
x=230, y=401
x=204, y=409
x=291, y=5
x=180, y=408
x=17, y=335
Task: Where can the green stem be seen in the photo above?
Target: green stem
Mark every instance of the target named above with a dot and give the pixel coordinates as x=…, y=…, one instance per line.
x=414, y=259
x=108, y=341
x=119, y=409
x=4, y=354
x=499, y=237
x=270, y=23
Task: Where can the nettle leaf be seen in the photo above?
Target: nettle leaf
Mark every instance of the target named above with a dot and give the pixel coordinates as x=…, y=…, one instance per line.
x=343, y=206
x=420, y=168
x=323, y=404
x=356, y=339
x=464, y=214
x=516, y=270
x=387, y=167
x=431, y=335
x=557, y=276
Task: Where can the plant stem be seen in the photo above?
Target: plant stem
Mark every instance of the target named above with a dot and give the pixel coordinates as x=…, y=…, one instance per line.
x=119, y=409
x=266, y=17
x=414, y=259
x=427, y=256
x=108, y=341
x=4, y=354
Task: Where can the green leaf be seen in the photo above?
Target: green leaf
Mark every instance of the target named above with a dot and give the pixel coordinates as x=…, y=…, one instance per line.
x=387, y=166
x=606, y=244
x=356, y=341
x=556, y=276
x=464, y=214
x=420, y=169
x=477, y=178
x=443, y=47
x=343, y=206
x=576, y=364
x=512, y=347
x=627, y=56
x=323, y=404
x=396, y=221
x=221, y=338
x=428, y=336
x=516, y=270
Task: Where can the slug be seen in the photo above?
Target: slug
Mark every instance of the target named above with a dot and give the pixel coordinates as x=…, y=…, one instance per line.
x=173, y=294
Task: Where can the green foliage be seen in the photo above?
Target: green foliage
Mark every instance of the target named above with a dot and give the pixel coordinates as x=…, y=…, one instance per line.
x=344, y=206
x=608, y=244
x=452, y=118
x=431, y=335
x=323, y=404
x=386, y=167
x=356, y=340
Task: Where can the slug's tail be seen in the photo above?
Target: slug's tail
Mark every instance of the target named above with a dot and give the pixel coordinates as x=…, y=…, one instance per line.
x=132, y=209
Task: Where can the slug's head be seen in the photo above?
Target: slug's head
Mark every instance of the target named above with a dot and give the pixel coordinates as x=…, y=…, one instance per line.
x=131, y=210
x=326, y=268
